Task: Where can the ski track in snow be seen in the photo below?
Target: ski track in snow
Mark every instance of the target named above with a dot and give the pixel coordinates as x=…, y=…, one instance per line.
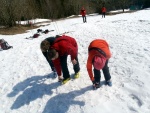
x=27, y=84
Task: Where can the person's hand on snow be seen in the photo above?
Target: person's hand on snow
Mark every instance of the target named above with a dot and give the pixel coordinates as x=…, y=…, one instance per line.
x=93, y=82
x=74, y=62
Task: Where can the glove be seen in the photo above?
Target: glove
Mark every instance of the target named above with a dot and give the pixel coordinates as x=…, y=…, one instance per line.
x=93, y=82
x=96, y=84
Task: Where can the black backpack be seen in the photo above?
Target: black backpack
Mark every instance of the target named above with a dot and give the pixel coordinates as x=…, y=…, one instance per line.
x=46, y=31
x=39, y=30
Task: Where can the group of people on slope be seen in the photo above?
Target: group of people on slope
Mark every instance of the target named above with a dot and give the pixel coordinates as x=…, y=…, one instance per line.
x=56, y=50
x=83, y=13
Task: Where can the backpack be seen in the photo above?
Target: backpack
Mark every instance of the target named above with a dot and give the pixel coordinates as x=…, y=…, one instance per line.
x=46, y=31
x=4, y=45
x=36, y=35
x=39, y=30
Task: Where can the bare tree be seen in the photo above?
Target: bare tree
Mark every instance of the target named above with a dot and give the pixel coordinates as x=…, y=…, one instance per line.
x=7, y=12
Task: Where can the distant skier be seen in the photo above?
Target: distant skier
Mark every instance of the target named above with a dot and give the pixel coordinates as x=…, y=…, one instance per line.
x=58, y=53
x=103, y=12
x=83, y=13
x=98, y=56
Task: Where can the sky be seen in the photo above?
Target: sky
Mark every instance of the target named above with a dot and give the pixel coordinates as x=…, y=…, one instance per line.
x=27, y=84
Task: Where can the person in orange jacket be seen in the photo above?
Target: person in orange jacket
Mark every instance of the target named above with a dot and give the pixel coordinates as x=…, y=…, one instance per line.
x=83, y=13
x=98, y=57
x=103, y=11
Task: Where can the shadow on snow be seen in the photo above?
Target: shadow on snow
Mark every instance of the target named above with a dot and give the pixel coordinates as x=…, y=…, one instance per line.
x=34, y=88
x=60, y=103
x=31, y=89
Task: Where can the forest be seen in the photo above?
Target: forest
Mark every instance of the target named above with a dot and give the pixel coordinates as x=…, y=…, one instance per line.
x=19, y=10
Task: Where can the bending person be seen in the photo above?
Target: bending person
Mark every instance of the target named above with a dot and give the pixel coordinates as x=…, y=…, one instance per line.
x=98, y=57
x=45, y=45
x=58, y=53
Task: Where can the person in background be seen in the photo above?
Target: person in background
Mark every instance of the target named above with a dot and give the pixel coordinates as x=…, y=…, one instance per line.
x=83, y=13
x=58, y=53
x=45, y=44
x=103, y=12
x=98, y=56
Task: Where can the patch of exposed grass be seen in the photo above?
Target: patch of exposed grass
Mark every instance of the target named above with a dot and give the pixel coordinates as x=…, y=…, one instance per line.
x=19, y=29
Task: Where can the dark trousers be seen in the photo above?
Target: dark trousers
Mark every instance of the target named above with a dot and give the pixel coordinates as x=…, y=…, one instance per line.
x=65, y=71
x=103, y=14
x=49, y=61
x=97, y=73
x=51, y=65
x=84, y=19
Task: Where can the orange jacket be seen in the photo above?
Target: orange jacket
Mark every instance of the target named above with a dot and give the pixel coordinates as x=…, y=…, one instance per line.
x=101, y=44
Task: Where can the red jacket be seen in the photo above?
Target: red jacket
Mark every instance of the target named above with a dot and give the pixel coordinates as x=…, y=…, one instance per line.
x=103, y=10
x=98, y=43
x=64, y=45
x=83, y=12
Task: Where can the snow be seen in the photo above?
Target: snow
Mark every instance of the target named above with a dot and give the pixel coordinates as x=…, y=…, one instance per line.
x=34, y=21
x=120, y=10
x=27, y=84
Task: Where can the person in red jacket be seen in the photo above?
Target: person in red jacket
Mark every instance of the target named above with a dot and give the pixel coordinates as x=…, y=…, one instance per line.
x=83, y=13
x=98, y=57
x=58, y=53
x=103, y=11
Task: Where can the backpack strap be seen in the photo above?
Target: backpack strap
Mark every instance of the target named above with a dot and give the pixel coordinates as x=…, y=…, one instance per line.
x=99, y=50
x=56, y=41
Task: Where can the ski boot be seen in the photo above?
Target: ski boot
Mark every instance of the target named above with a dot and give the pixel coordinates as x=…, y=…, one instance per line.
x=109, y=83
x=64, y=81
x=77, y=75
